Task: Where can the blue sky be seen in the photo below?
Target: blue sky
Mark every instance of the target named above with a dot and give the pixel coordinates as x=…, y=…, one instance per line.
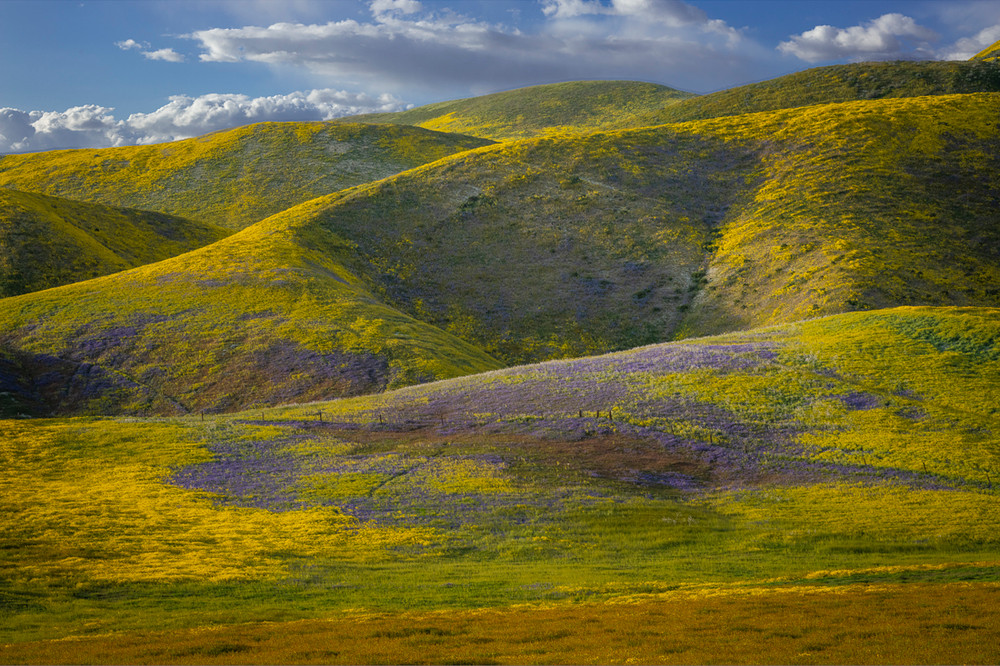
x=93, y=74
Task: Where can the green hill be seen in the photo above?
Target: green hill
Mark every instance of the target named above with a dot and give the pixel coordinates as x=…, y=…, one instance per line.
x=266, y=316
x=47, y=241
x=836, y=83
x=568, y=245
x=235, y=177
x=574, y=245
x=580, y=106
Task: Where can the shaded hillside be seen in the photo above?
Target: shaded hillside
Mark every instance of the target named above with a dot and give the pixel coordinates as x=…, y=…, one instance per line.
x=48, y=241
x=235, y=177
x=527, y=112
x=575, y=245
x=265, y=316
x=837, y=83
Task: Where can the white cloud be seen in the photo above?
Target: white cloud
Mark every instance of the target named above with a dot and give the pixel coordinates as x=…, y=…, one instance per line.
x=193, y=116
x=409, y=50
x=183, y=117
x=967, y=47
x=169, y=55
x=887, y=37
x=380, y=7
x=129, y=44
x=16, y=129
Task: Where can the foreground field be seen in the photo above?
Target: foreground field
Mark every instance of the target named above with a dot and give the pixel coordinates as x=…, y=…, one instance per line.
x=822, y=491
x=879, y=624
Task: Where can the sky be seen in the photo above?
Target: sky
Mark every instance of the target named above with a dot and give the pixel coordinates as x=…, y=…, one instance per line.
x=89, y=74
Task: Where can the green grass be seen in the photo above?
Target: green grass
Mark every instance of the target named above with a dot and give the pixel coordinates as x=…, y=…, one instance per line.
x=492, y=490
x=577, y=106
x=47, y=241
x=236, y=177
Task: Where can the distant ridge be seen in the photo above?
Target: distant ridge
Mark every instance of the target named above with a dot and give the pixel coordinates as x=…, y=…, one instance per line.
x=236, y=177
x=533, y=111
x=837, y=83
x=48, y=241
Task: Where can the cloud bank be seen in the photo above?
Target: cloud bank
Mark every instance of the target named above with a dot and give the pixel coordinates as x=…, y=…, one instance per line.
x=889, y=37
x=183, y=117
x=406, y=48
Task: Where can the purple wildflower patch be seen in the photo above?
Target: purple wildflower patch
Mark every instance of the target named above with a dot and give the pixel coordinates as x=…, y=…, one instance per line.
x=861, y=400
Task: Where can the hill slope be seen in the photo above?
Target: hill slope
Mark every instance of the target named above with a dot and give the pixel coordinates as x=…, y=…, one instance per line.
x=990, y=53
x=574, y=245
x=538, y=249
x=236, y=177
x=848, y=460
x=266, y=316
x=836, y=83
x=48, y=241
x=527, y=112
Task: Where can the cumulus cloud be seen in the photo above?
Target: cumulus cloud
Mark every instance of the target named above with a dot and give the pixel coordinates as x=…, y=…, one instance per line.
x=182, y=117
x=405, y=48
x=669, y=12
x=186, y=116
x=890, y=36
x=168, y=55
x=967, y=47
x=382, y=7
x=130, y=44
x=77, y=127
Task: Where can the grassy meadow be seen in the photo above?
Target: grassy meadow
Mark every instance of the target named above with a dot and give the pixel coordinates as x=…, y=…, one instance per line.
x=597, y=372
x=678, y=502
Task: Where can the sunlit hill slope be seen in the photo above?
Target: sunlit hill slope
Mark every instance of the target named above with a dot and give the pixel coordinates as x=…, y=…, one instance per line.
x=235, y=177
x=583, y=106
x=848, y=460
x=571, y=245
x=837, y=83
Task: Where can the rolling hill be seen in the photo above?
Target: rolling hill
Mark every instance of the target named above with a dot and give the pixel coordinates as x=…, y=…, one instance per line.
x=48, y=241
x=578, y=106
x=236, y=177
x=837, y=83
x=265, y=316
x=574, y=245
x=719, y=390
x=544, y=248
